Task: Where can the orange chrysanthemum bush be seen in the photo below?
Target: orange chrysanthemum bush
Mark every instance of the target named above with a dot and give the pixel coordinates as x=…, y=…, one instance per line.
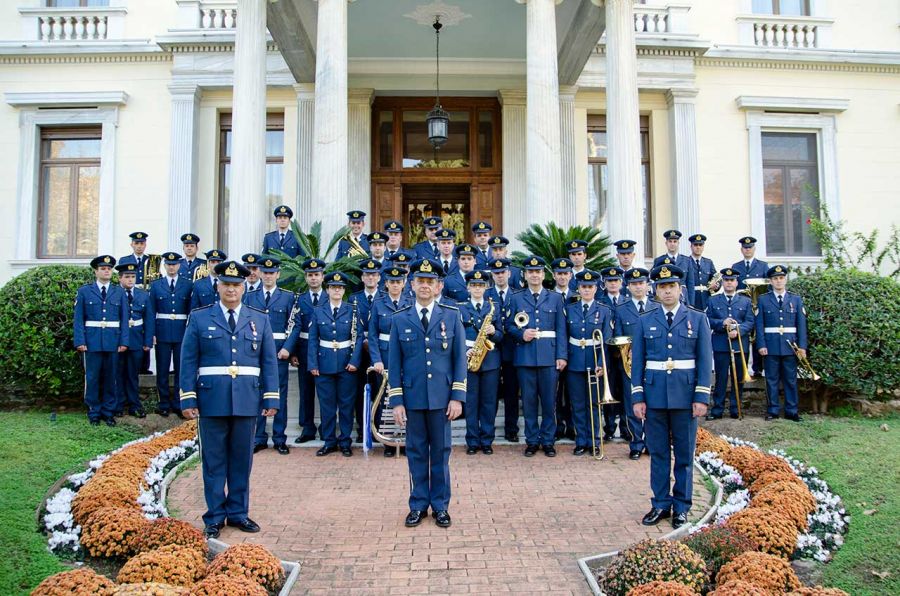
x=737, y=587
x=773, y=532
x=650, y=560
x=718, y=545
x=767, y=478
x=174, y=565
x=149, y=588
x=77, y=582
x=183, y=432
x=766, y=463
x=661, y=588
x=717, y=445
x=251, y=561
x=792, y=490
x=786, y=505
x=762, y=570
x=167, y=531
x=741, y=457
x=818, y=591
x=104, y=492
x=218, y=585
x=112, y=531
x=703, y=434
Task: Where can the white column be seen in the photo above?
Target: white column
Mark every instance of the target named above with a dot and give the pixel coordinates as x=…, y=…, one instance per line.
x=359, y=147
x=514, y=188
x=685, y=175
x=626, y=205
x=182, y=163
x=306, y=115
x=248, y=212
x=330, y=160
x=568, y=157
x=543, y=178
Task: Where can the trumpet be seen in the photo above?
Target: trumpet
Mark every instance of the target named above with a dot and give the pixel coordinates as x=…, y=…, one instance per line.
x=805, y=370
x=356, y=250
x=593, y=386
x=521, y=319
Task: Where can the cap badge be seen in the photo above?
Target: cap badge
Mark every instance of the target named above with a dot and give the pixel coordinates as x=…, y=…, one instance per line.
x=232, y=269
x=425, y=267
x=665, y=273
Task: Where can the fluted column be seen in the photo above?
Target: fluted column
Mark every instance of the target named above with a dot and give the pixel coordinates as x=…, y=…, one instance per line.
x=514, y=187
x=685, y=171
x=359, y=160
x=306, y=115
x=568, y=159
x=182, y=163
x=626, y=205
x=248, y=212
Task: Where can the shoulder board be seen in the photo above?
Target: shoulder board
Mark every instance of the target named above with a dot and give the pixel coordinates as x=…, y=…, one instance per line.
x=208, y=306
x=88, y=284
x=606, y=306
x=694, y=309
x=447, y=306
x=253, y=308
x=403, y=308
x=647, y=311
x=519, y=291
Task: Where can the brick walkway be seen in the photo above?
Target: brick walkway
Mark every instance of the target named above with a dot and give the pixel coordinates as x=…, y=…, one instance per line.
x=518, y=525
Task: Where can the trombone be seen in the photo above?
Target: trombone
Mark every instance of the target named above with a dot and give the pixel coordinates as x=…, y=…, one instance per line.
x=805, y=370
x=593, y=382
x=734, y=373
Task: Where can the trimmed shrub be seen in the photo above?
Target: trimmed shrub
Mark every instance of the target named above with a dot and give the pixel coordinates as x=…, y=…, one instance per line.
x=650, y=560
x=78, y=582
x=767, y=478
x=112, y=531
x=737, y=587
x=797, y=492
x=660, y=588
x=167, y=531
x=718, y=545
x=741, y=457
x=767, y=463
x=769, y=529
x=174, y=565
x=217, y=585
x=763, y=571
x=251, y=561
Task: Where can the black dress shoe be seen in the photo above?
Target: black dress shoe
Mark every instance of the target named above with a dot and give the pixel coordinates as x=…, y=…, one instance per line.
x=414, y=518
x=260, y=447
x=487, y=450
x=304, y=439
x=282, y=449
x=634, y=454
x=245, y=525
x=679, y=519
x=162, y=412
x=346, y=451
x=654, y=515
x=326, y=450
x=441, y=518
x=549, y=450
x=794, y=417
x=95, y=422
x=212, y=530
x=607, y=437
x=771, y=417
x=512, y=438
x=390, y=451
x=530, y=450
x=471, y=450
x=580, y=450
x=138, y=413
x=110, y=421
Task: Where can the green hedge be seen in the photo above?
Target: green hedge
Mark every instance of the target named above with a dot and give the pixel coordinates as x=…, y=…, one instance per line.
x=854, y=330
x=36, y=309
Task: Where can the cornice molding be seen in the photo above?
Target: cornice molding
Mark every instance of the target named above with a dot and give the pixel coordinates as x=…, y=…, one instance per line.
x=65, y=99
x=796, y=59
x=792, y=104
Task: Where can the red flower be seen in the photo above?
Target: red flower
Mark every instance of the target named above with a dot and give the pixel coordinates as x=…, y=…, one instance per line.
x=808, y=221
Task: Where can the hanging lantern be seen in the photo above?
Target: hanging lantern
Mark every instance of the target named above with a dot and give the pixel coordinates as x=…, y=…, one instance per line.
x=438, y=120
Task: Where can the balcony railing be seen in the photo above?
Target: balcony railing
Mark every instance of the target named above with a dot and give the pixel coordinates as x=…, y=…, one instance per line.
x=207, y=15
x=73, y=24
x=671, y=18
x=777, y=31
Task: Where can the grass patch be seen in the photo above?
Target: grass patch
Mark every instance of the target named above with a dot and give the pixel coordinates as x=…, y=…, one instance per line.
x=861, y=463
x=34, y=453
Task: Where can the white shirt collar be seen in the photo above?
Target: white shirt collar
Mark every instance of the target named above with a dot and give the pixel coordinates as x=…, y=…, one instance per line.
x=635, y=300
x=313, y=294
x=430, y=309
x=101, y=285
x=674, y=311
x=237, y=311
x=587, y=304
x=562, y=291
x=373, y=294
x=577, y=270
x=477, y=302
x=782, y=294
x=172, y=278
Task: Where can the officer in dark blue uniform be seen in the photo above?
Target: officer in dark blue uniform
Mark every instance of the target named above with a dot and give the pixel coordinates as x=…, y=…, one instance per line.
x=206, y=289
x=277, y=303
x=252, y=283
x=297, y=344
x=428, y=249
x=501, y=294
x=229, y=375
x=781, y=319
x=446, y=243
x=189, y=264
x=673, y=239
x=625, y=256
x=427, y=376
x=730, y=317
x=167, y=313
x=562, y=275
x=482, y=384
x=101, y=334
x=577, y=250
x=583, y=318
x=481, y=235
x=455, y=284
x=370, y=273
x=749, y=266
x=626, y=322
x=356, y=220
x=699, y=274
x=402, y=260
x=282, y=237
x=335, y=352
x=536, y=320
x=377, y=242
x=393, y=230
x=139, y=342
x=671, y=372
x=613, y=297
x=500, y=250
x=611, y=293
x=138, y=258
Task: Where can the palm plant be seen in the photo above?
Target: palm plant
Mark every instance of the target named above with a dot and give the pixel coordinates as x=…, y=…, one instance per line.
x=293, y=277
x=549, y=242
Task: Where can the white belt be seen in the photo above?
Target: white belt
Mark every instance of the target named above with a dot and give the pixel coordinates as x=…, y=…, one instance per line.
x=470, y=343
x=101, y=324
x=781, y=330
x=668, y=365
x=700, y=288
x=172, y=316
x=545, y=334
x=135, y=322
x=233, y=370
x=304, y=335
x=335, y=345
x=583, y=343
x=279, y=335
x=384, y=337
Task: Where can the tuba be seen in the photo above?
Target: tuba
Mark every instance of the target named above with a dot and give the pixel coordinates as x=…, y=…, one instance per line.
x=356, y=250
x=623, y=343
x=755, y=287
x=482, y=344
x=201, y=272
x=715, y=280
x=805, y=370
x=397, y=436
x=152, y=269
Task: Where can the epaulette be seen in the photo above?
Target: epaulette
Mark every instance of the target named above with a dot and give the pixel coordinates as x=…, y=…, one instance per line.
x=695, y=309
x=647, y=311
x=262, y=312
x=514, y=291
x=448, y=306
x=201, y=307
x=604, y=305
x=399, y=310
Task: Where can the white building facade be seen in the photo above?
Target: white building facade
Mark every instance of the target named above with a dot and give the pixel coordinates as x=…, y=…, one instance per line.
x=165, y=116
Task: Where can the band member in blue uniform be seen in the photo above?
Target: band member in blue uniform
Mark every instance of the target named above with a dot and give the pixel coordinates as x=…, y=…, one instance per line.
x=671, y=372
x=751, y=268
x=393, y=229
x=277, y=303
x=101, y=334
x=282, y=237
x=363, y=300
x=206, y=289
x=428, y=248
x=562, y=275
x=446, y=243
x=536, y=320
x=455, y=284
x=138, y=258
x=335, y=352
x=427, y=376
x=699, y=274
x=626, y=322
x=167, y=313
x=189, y=264
x=500, y=250
x=577, y=250
x=781, y=319
x=582, y=319
x=501, y=294
x=229, y=375
x=481, y=234
x=356, y=220
x=377, y=242
x=612, y=296
x=139, y=343
x=625, y=256
x=730, y=317
x=673, y=240
x=252, y=283
x=482, y=385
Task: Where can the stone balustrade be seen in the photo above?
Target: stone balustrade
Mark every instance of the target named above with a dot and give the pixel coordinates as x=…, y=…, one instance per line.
x=86, y=24
x=663, y=19
x=207, y=15
x=777, y=31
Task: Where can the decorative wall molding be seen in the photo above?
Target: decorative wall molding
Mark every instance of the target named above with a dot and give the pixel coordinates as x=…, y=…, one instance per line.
x=65, y=99
x=792, y=104
x=450, y=14
x=796, y=59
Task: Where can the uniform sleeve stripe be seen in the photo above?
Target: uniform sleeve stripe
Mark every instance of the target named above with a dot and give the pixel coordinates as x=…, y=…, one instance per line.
x=395, y=392
x=637, y=389
x=702, y=390
x=271, y=395
x=459, y=386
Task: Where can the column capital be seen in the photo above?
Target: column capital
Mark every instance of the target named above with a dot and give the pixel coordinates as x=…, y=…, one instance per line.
x=674, y=96
x=567, y=92
x=360, y=96
x=184, y=91
x=305, y=90
x=512, y=97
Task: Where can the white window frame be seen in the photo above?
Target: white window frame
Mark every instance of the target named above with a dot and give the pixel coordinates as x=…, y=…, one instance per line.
x=71, y=109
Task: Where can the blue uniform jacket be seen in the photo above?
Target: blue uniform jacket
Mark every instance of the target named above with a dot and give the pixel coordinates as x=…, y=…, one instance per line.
x=508, y=345
x=380, y=325
x=425, y=250
x=272, y=241
x=167, y=312
x=699, y=277
x=604, y=298
x=334, y=332
x=757, y=269
x=344, y=246
x=427, y=367
x=203, y=293
x=279, y=311
x=774, y=327
x=298, y=339
x=101, y=326
x=653, y=341
x=627, y=316
x=225, y=373
x=139, y=332
x=472, y=324
x=741, y=310
x=548, y=315
x=139, y=271
x=187, y=271
x=581, y=329
x=455, y=288
x=681, y=261
x=482, y=260
x=363, y=308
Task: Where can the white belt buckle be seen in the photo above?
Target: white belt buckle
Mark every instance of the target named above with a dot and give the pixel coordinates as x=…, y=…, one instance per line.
x=669, y=365
x=233, y=371
x=172, y=316
x=334, y=344
x=781, y=330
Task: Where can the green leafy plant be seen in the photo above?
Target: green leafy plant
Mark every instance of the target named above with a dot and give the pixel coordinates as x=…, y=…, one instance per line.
x=842, y=249
x=718, y=545
x=293, y=277
x=550, y=241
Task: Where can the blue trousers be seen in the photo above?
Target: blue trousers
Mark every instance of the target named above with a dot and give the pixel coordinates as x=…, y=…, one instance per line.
x=509, y=389
x=724, y=378
x=130, y=363
x=635, y=424
x=584, y=407
x=100, y=371
x=226, y=452
x=165, y=352
x=538, y=385
x=336, y=396
x=307, y=383
x=671, y=432
x=428, y=455
x=481, y=407
x=279, y=422
x=782, y=370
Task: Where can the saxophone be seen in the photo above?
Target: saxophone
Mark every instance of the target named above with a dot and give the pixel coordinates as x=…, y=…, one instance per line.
x=482, y=344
